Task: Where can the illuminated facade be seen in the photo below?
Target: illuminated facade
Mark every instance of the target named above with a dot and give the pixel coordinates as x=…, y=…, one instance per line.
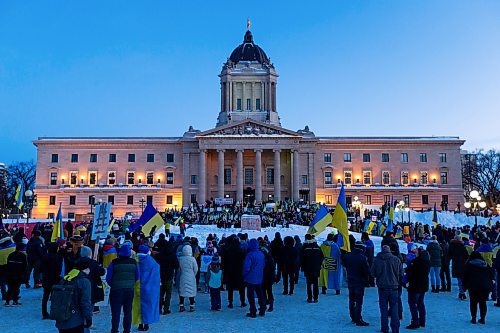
x=248, y=156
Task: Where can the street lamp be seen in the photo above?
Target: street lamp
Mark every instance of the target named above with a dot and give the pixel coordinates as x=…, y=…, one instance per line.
x=357, y=204
x=400, y=206
x=142, y=201
x=475, y=204
x=175, y=205
x=29, y=203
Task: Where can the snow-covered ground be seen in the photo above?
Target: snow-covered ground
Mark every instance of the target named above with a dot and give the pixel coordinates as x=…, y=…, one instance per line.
x=445, y=313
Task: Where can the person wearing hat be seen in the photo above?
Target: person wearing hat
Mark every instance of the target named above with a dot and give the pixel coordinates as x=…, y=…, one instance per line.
x=358, y=272
x=215, y=283
x=16, y=268
x=81, y=316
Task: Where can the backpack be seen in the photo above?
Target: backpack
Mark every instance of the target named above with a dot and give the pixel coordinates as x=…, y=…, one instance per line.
x=62, y=304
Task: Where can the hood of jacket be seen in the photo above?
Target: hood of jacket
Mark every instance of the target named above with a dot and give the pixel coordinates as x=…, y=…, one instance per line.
x=478, y=263
x=385, y=255
x=253, y=244
x=124, y=251
x=187, y=251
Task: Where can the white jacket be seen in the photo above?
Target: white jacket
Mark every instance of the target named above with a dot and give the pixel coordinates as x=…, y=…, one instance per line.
x=188, y=269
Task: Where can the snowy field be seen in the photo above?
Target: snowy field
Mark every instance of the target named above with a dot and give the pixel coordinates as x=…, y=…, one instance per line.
x=445, y=313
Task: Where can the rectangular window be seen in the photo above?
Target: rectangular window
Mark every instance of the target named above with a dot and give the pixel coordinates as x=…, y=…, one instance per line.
x=91, y=199
x=442, y=157
x=404, y=157
x=227, y=176
x=328, y=199
x=93, y=158
x=52, y=200
x=444, y=199
x=193, y=179
x=406, y=199
x=387, y=199
x=367, y=177
x=130, y=178
x=423, y=177
x=386, y=178
x=304, y=179
x=347, y=157
x=53, y=178
x=73, y=178
x=170, y=199
x=257, y=104
x=327, y=158
x=385, y=157
x=130, y=199
x=71, y=215
x=270, y=176
x=74, y=158
x=425, y=199
x=111, y=199
x=149, y=199
x=347, y=177
x=248, y=176
x=111, y=177
x=423, y=157
x=193, y=198
x=444, y=177
x=249, y=104
x=328, y=177
x=170, y=158
x=55, y=158
x=405, y=180
x=93, y=178
x=238, y=104
x=72, y=200
x=150, y=179
x=368, y=199
x=112, y=158
x=366, y=158
x=150, y=158
x=131, y=158
x=170, y=178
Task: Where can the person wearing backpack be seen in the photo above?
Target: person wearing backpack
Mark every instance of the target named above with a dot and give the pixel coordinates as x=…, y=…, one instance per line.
x=71, y=305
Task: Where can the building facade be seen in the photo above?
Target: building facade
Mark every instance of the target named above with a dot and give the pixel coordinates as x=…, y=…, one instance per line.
x=248, y=156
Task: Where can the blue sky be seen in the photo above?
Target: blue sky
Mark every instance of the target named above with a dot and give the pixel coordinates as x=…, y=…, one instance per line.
x=149, y=68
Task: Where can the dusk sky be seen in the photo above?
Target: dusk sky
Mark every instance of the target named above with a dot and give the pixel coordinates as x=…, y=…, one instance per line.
x=347, y=68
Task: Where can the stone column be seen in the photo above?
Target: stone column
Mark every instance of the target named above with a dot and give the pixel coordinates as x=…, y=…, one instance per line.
x=243, y=97
x=202, y=186
x=312, y=185
x=277, y=175
x=239, y=175
x=185, y=176
x=220, y=174
x=258, y=175
x=296, y=175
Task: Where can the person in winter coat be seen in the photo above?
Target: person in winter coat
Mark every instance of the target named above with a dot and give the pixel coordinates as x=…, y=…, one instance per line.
x=310, y=262
x=96, y=271
x=123, y=272
x=35, y=251
x=436, y=254
x=392, y=242
x=6, y=248
x=277, y=253
x=81, y=318
x=298, y=246
x=478, y=280
x=486, y=251
x=445, y=267
x=417, y=273
x=215, y=283
x=232, y=265
x=253, y=272
x=330, y=276
x=51, y=275
x=358, y=271
x=268, y=277
x=109, y=253
x=387, y=270
x=369, y=253
x=290, y=257
x=458, y=255
x=168, y=264
x=16, y=268
x=146, y=304
x=496, y=266
x=188, y=269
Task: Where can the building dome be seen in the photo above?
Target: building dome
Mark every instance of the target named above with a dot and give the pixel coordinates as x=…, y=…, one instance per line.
x=249, y=51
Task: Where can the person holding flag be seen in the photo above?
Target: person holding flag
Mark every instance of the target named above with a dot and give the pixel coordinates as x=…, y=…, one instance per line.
x=330, y=276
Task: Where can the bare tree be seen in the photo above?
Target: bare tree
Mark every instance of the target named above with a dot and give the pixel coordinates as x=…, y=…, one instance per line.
x=20, y=172
x=488, y=175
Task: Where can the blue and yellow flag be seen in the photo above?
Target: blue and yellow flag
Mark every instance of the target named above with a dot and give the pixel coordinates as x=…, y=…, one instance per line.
x=435, y=217
x=370, y=227
x=320, y=221
x=390, y=220
x=382, y=230
x=5, y=251
x=149, y=219
x=489, y=223
x=19, y=195
x=339, y=221
x=58, y=231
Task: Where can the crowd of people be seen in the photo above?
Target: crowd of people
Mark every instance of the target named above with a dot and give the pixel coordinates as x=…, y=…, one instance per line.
x=142, y=275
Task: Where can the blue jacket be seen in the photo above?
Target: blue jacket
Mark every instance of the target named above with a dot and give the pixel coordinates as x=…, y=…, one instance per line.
x=253, y=266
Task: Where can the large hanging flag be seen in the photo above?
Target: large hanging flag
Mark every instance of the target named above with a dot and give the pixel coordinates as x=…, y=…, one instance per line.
x=58, y=231
x=370, y=227
x=435, y=217
x=320, y=221
x=19, y=195
x=382, y=230
x=390, y=220
x=339, y=221
x=149, y=219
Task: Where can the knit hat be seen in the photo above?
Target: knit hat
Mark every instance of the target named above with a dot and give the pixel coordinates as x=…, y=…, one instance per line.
x=143, y=249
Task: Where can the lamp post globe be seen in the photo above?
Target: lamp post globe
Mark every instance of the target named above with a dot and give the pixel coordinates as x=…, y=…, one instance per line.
x=482, y=204
x=474, y=194
x=28, y=193
x=467, y=205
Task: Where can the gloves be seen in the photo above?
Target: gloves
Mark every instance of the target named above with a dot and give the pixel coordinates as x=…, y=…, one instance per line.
x=88, y=323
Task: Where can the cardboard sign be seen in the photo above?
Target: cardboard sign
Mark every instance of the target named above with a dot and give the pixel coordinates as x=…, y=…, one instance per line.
x=250, y=222
x=223, y=201
x=101, y=221
x=205, y=263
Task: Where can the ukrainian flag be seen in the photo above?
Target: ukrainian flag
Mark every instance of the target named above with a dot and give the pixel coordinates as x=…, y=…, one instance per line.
x=19, y=195
x=435, y=217
x=319, y=223
x=489, y=223
x=370, y=227
x=58, y=231
x=390, y=222
x=339, y=221
x=382, y=230
x=149, y=219
x=5, y=250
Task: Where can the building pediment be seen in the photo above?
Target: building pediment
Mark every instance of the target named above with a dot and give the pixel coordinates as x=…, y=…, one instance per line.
x=249, y=128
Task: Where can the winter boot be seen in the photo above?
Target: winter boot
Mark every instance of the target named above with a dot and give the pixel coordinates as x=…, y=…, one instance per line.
x=230, y=305
x=271, y=307
x=191, y=308
x=337, y=292
x=182, y=308
x=473, y=320
x=482, y=321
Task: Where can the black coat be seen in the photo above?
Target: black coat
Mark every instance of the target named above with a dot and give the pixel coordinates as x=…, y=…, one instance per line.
x=392, y=243
x=290, y=258
x=51, y=270
x=35, y=250
x=477, y=276
x=311, y=259
x=96, y=271
x=16, y=266
x=277, y=250
x=417, y=274
x=232, y=264
x=168, y=262
x=445, y=259
x=458, y=255
x=269, y=273
x=358, y=270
